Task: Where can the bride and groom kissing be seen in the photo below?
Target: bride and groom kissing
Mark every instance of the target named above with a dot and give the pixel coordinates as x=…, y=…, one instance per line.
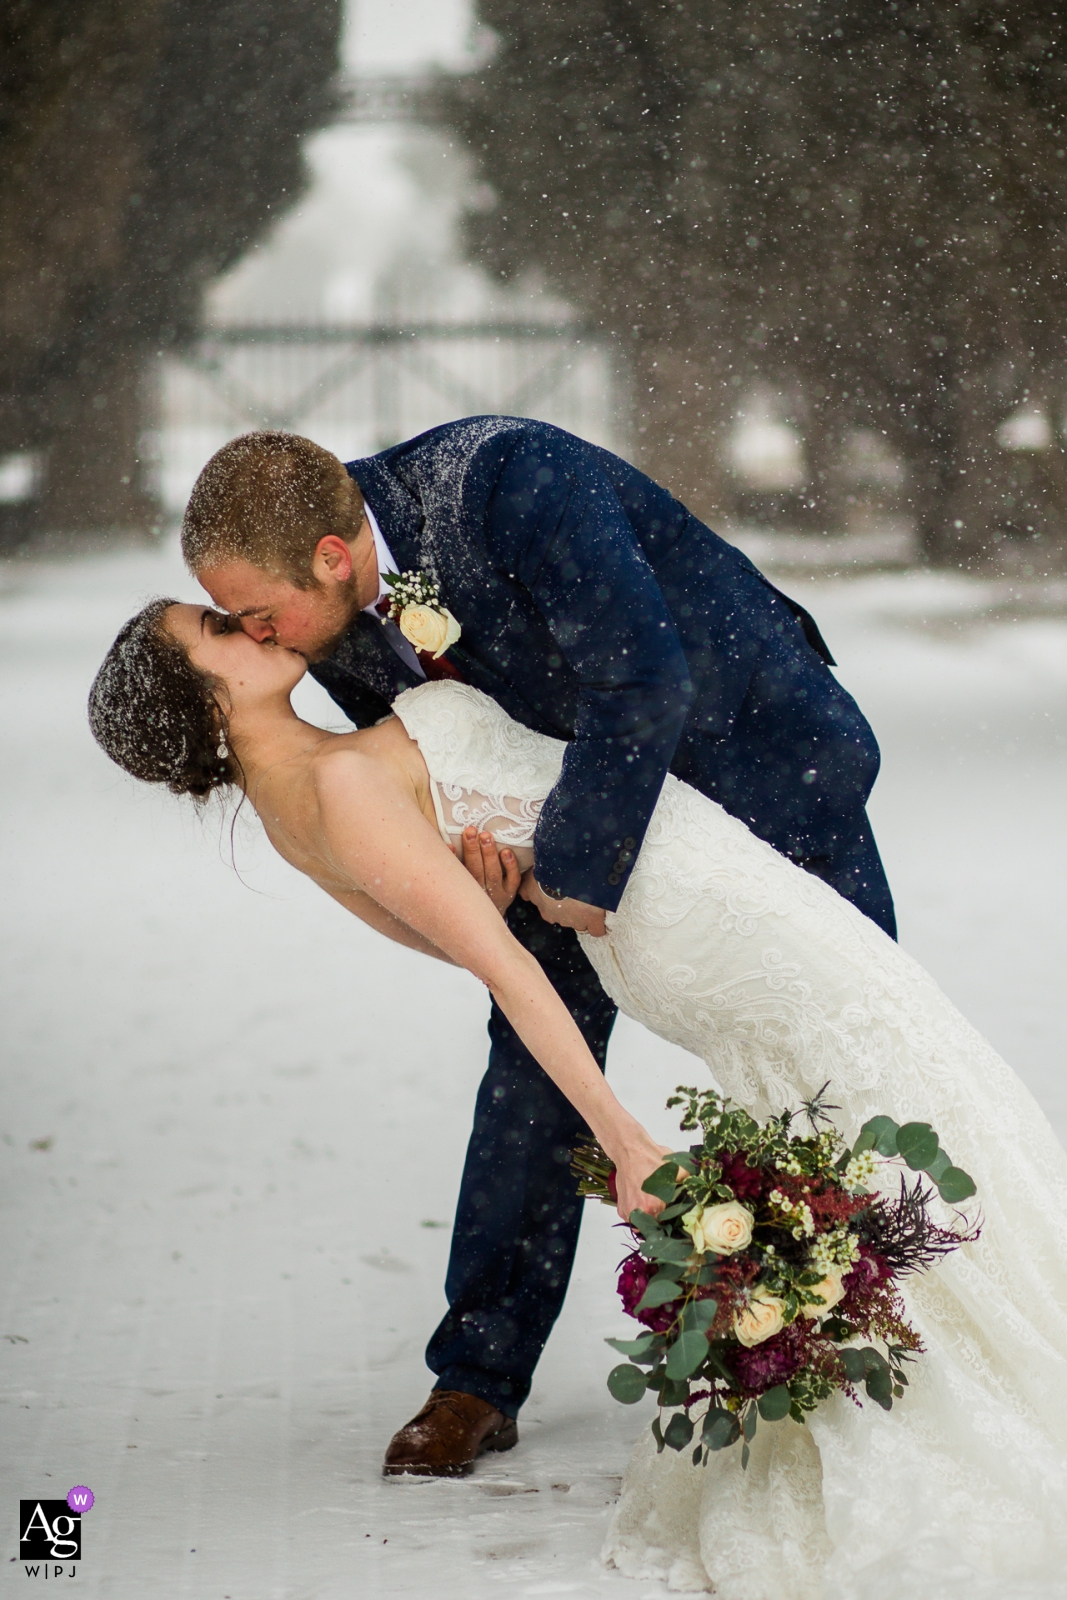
x=615, y=707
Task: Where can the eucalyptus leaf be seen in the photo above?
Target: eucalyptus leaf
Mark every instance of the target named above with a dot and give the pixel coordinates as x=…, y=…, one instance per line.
x=854, y=1365
x=750, y=1422
x=673, y=1391
x=660, y=1292
x=719, y=1367
x=679, y=1209
x=939, y=1166
x=626, y=1383
x=662, y=1249
x=678, y=1431
x=721, y=1428
x=634, y=1347
x=687, y=1354
x=657, y=1434
x=684, y=1159
x=697, y=1453
x=645, y=1225
x=955, y=1185
x=774, y=1405
x=699, y=1315
x=879, y=1133
x=880, y=1388
x=918, y=1144
x=744, y=1457
x=663, y=1183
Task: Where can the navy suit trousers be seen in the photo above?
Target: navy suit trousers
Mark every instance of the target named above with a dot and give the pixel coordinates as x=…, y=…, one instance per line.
x=518, y=1215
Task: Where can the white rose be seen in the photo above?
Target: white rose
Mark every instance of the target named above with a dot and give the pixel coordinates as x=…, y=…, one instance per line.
x=762, y=1318
x=831, y=1290
x=429, y=629
x=723, y=1229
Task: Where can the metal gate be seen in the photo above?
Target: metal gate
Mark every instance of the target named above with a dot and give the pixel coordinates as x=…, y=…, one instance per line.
x=358, y=389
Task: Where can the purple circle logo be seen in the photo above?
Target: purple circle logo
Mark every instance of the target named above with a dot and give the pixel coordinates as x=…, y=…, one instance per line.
x=80, y=1498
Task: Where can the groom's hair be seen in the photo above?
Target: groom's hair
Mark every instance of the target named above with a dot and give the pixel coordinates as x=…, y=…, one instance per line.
x=268, y=498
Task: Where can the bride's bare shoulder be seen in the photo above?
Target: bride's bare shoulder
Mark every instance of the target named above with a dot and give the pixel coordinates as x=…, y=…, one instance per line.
x=383, y=754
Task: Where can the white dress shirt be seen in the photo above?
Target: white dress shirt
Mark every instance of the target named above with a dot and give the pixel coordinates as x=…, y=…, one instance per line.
x=403, y=647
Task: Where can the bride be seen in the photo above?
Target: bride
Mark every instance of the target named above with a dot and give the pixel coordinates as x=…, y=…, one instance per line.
x=726, y=948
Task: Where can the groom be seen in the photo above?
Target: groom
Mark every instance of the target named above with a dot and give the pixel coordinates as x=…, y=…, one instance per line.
x=595, y=608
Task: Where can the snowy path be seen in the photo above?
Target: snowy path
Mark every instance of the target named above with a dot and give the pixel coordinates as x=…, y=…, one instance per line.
x=218, y=1277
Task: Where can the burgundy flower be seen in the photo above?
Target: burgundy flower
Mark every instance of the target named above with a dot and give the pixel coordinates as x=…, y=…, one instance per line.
x=868, y=1271
x=771, y=1362
x=745, y=1181
x=633, y=1281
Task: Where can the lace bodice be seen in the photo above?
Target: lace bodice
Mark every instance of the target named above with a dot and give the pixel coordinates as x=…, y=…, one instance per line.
x=485, y=769
x=762, y=971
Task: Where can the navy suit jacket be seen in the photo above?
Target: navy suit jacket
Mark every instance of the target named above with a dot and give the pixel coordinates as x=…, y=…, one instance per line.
x=597, y=609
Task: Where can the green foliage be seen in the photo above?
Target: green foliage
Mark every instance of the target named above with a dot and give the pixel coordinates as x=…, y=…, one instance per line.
x=699, y=1315
x=644, y=1349
x=917, y=1143
x=661, y=1290
x=955, y=1185
x=663, y=1183
x=626, y=1384
x=678, y=1432
x=879, y=1133
x=669, y=1250
x=721, y=1429
x=775, y=1403
x=687, y=1353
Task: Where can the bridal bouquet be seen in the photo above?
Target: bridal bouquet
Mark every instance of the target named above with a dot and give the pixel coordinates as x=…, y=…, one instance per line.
x=772, y=1266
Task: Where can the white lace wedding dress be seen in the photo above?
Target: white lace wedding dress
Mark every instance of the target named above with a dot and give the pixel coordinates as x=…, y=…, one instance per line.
x=729, y=950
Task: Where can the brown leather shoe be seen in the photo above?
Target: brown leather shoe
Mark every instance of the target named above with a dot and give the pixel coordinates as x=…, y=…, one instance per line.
x=447, y=1436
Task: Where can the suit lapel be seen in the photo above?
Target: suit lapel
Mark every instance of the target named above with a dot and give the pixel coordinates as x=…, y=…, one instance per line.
x=399, y=515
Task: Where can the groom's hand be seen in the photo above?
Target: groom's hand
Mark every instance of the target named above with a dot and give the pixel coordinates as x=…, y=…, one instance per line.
x=496, y=871
x=565, y=913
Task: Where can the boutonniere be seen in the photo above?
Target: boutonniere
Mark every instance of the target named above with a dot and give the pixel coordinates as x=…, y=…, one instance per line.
x=415, y=606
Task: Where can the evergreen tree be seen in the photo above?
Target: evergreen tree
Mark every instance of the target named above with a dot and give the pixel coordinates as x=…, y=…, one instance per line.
x=144, y=145
x=859, y=201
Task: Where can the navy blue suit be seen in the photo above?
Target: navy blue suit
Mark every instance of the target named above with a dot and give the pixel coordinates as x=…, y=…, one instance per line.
x=596, y=609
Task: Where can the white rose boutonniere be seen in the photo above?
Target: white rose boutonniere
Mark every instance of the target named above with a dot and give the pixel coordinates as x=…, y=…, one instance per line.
x=721, y=1229
x=415, y=607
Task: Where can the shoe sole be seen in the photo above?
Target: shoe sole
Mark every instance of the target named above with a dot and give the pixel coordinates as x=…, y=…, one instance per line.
x=505, y=1438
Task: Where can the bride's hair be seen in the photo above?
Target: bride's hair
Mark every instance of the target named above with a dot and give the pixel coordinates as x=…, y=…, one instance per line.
x=156, y=715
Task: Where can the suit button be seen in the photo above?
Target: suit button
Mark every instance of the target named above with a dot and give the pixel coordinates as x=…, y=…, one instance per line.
x=628, y=844
x=614, y=878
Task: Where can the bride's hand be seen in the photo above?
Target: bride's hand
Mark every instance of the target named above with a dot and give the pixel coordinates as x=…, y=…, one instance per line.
x=631, y=1170
x=494, y=870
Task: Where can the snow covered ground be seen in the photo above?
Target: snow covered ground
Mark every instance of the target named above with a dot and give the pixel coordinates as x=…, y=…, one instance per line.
x=233, y=1121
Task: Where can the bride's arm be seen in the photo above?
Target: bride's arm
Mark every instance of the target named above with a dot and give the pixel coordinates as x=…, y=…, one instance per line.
x=375, y=916
x=372, y=831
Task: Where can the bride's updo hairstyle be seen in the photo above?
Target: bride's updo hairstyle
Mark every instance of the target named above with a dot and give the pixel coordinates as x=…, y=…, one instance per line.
x=156, y=715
